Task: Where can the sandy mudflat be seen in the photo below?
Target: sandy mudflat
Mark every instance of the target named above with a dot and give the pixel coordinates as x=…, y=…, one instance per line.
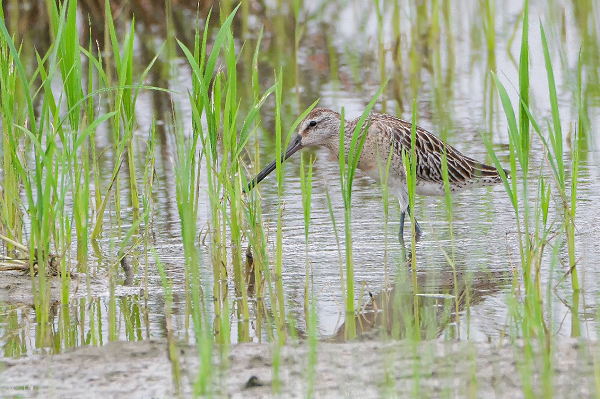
x=355, y=369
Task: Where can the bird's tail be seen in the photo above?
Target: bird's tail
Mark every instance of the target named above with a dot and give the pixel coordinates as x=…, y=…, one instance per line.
x=487, y=175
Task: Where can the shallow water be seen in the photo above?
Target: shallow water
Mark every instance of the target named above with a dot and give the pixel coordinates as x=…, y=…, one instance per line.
x=484, y=239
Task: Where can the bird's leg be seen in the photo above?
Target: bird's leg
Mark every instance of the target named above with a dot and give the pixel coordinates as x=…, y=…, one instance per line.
x=401, y=233
x=418, y=230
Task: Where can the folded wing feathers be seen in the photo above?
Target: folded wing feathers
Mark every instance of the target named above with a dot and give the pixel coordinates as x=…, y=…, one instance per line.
x=429, y=150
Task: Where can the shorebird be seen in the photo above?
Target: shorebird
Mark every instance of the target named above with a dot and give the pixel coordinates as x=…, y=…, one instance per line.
x=386, y=133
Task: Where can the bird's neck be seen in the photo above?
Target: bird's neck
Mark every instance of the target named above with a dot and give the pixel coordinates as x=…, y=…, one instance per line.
x=334, y=143
x=350, y=126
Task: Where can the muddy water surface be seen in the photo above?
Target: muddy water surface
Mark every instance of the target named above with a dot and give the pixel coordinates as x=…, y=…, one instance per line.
x=341, y=68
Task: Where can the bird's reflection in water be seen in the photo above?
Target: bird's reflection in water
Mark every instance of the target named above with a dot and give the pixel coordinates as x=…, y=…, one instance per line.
x=441, y=296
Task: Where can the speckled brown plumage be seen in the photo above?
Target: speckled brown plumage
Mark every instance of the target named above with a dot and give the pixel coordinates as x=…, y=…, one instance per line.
x=387, y=133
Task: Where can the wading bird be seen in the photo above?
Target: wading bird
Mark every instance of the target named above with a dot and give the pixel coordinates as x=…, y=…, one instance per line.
x=386, y=133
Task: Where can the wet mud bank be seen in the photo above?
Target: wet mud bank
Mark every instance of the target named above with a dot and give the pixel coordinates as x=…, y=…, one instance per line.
x=15, y=288
x=353, y=369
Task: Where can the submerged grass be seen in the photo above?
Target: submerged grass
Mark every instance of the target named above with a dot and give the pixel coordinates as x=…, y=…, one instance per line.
x=353, y=147
x=533, y=318
x=310, y=297
x=44, y=165
x=48, y=156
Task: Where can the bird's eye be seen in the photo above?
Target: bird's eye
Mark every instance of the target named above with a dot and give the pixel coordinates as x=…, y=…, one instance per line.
x=312, y=123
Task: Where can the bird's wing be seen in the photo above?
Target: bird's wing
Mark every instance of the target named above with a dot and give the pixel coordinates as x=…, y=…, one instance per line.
x=429, y=150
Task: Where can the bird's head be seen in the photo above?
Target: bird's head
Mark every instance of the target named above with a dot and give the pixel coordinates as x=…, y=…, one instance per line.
x=318, y=128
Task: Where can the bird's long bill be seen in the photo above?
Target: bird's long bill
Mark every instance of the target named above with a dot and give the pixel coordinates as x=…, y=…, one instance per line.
x=292, y=148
